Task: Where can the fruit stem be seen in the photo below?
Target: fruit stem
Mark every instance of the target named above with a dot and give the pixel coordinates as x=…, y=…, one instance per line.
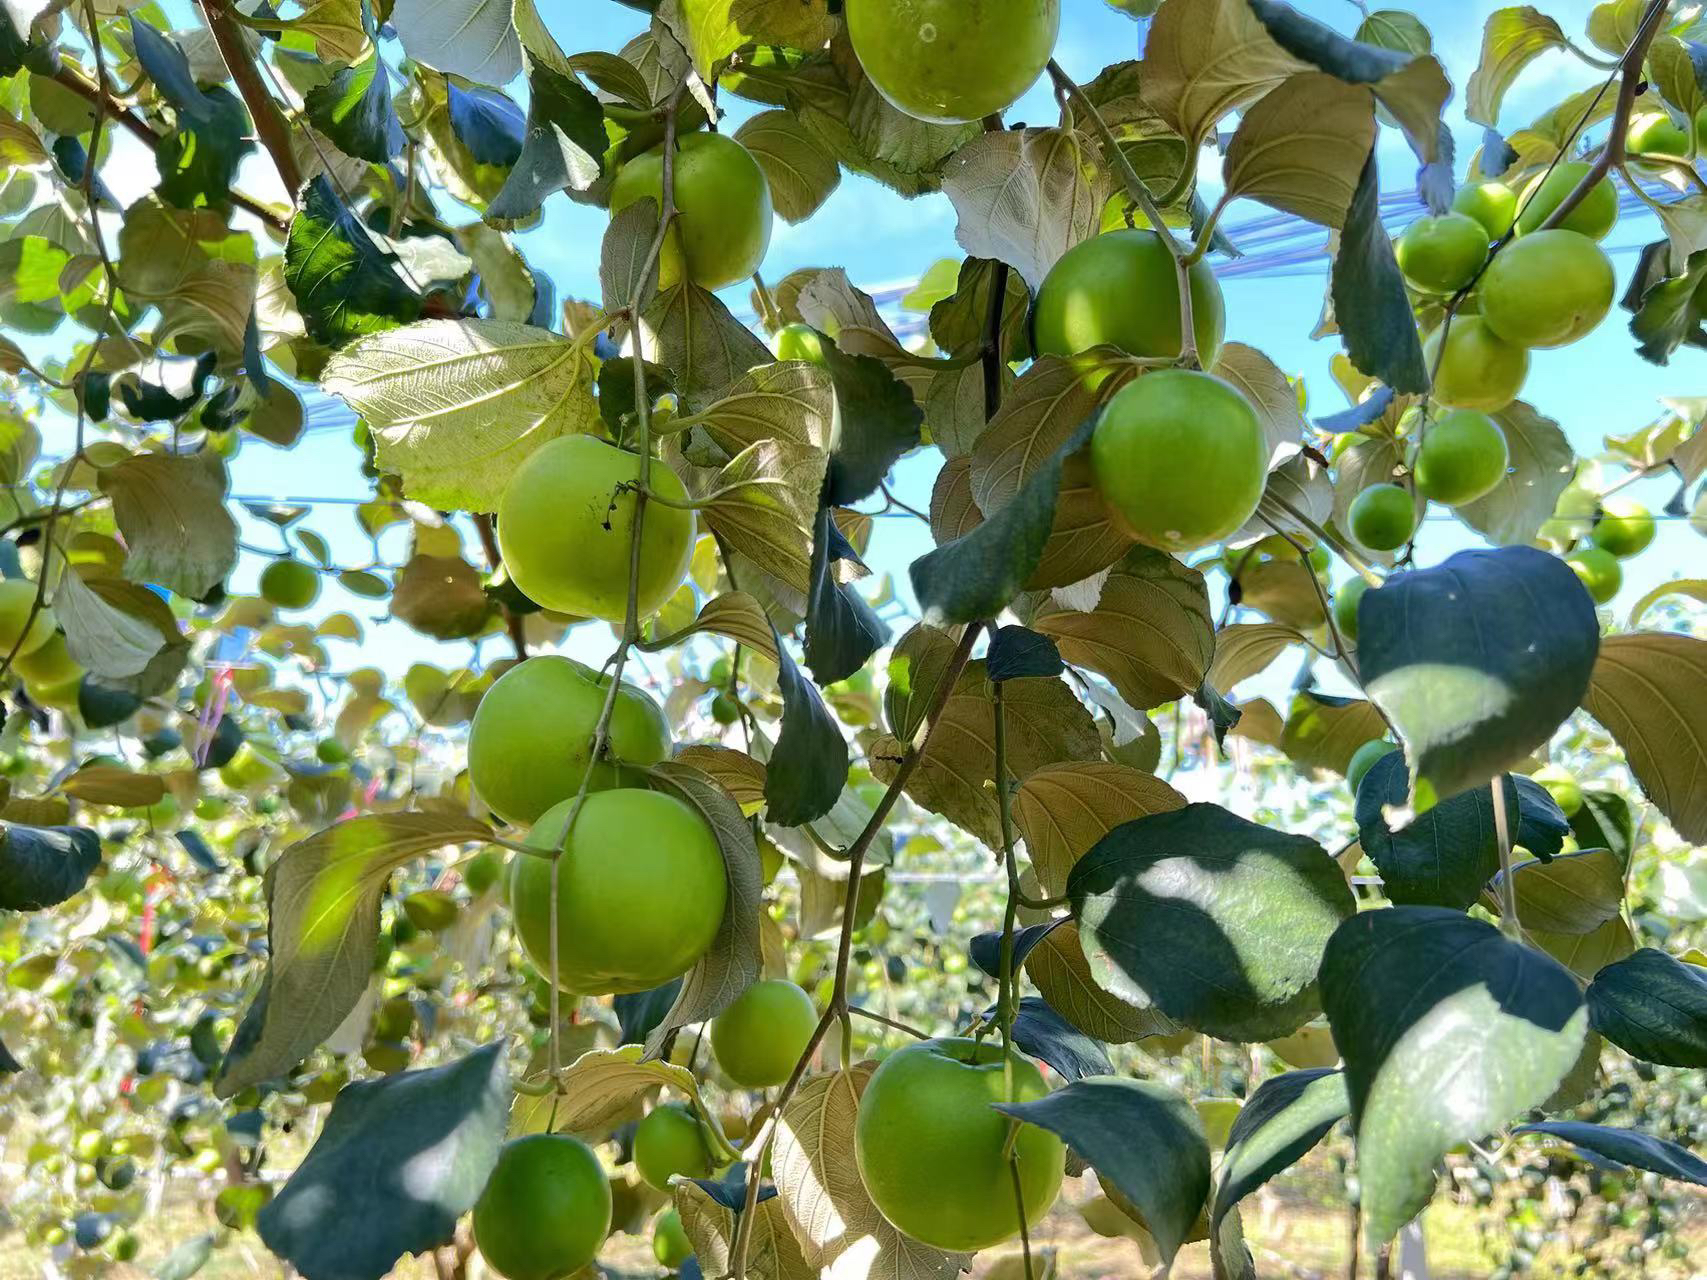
x=1339, y=548
x=1116, y=159
x=1509, y=924
x=1206, y=235
x=889, y=1022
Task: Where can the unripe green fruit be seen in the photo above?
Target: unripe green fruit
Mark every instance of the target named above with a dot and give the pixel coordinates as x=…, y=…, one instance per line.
x=1463, y=455
x=546, y=1208
x=723, y=210
x=331, y=751
x=1172, y=423
x=1363, y=760
x=1383, y=516
x=932, y=1150
x=1624, y=528
x=1567, y=793
x=1656, y=134
x=431, y=910
x=1122, y=288
x=1345, y=607
x=290, y=584
x=759, y=1038
x=18, y=609
x=48, y=665
x=1493, y=204
x=1547, y=290
x=565, y=526
x=1599, y=572
x=531, y=739
x=668, y=1143
x=953, y=61
x=670, y=1244
x=1594, y=217
x=1441, y=254
x=800, y=342
x=1479, y=370
x=482, y=871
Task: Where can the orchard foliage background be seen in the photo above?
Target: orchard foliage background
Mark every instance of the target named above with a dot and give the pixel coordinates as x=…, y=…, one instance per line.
x=234, y=879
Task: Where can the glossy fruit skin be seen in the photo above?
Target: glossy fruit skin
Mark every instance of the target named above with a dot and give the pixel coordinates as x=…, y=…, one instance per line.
x=545, y=1210
x=290, y=584
x=17, y=602
x=1345, y=607
x=1598, y=570
x=564, y=528
x=670, y=1244
x=1463, y=455
x=1363, y=760
x=1441, y=254
x=1480, y=369
x=1120, y=288
x=46, y=664
x=929, y=1145
x=1624, y=528
x=532, y=734
x=723, y=208
x=800, y=342
x=1493, y=204
x=1382, y=517
x=1594, y=217
x=1168, y=425
x=668, y=1141
x=1567, y=793
x=953, y=61
x=1656, y=134
x=1547, y=289
x=640, y=894
x=760, y=1037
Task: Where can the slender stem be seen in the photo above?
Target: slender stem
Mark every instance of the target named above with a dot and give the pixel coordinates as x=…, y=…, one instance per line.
x=1357, y=562
x=767, y=304
x=991, y=353
x=1116, y=160
x=494, y=562
x=270, y=124
x=1005, y=1002
x=1509, y=924
x=913, y=1031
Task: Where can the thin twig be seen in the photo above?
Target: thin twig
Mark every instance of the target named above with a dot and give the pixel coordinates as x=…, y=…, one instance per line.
x=1509, y=924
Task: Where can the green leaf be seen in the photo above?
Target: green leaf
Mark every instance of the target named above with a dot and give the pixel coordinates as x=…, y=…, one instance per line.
x=1665, y=313
x=762, y=505
x=1063, y=810
x=809, y=766
x=711, y=30
x=1371, y=307
x=322, y=919
x=1542, y=464
x=561, y=150
x=475, y=39
x=354, y=110
x=1448, y=1031
x=1605, y=822
x=1143, y=1137
x=1650, y=691
x=1245, y=649
x=1652, y=1006
x=732, y=963
x=121, y=632
x=1016, y=652
x=1280, y=1123
x=801, y=171
x=1302, y=146
x=1324, y=732
x=1586, y=954
x=198, y=160
x=344, y=284
x=1444, y=857
x=170, y=510
x=41, y=867
x=456, y=405
x=1206, y=58
x=916, y=666
x=1218, y=922
x=1572, y=893
x=1626, y=1147
x=842, y=630
x=1056, y=964
x=186, y=1259
x=1150, y=633
x=879, y=423
x=1039, y=1030
x=1476, y=662
x=1511, y=40
x=401, y=1159
x=692, y=334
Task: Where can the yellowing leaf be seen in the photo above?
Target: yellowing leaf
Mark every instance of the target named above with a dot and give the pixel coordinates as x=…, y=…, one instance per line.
x=1302, y=147
x=1062, y=810
x=1649, y=689
x=171, y=510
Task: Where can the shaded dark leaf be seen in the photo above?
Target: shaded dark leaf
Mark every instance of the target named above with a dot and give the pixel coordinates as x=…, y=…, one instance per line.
x=1626, y=1147
x=488, y=123
x=41, y=867
x=1283, y=1120
x=879, y=422
x=842, y=630
x=1370, y=304
x=809, y=765
x=1017, y=651
x=1653, y=1006
x=354, y=110
x=561, y=149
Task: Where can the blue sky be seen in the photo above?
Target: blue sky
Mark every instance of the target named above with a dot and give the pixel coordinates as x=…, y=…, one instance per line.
x=1594, y=388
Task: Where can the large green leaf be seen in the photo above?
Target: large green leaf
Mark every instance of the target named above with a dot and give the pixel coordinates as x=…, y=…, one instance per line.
x=1448, y=1031
x=1143, y=1137
x=399, y=1161
x=171, y=510
x=354, y=110
x=1653, y=1006
x=1650, y=691
x=344, y=284
x=1218, y=922
x=323, y=918
x=1285, y=1118
x=1370, y=305
x=41, y=867
x=1476, y=662
x=1626, y=1147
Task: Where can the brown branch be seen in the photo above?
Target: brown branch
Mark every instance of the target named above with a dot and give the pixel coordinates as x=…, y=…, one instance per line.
x=70, y=78
x=270, y=123
x=494, y=562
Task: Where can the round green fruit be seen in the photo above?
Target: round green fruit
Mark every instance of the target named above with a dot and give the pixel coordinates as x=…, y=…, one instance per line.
x=1656, y=134
x=1363, y=760
x=667, y=1143
x=1547, y=289
x=1593, y=217
x=953, y=61
x=1120, y=288
x=1479, y=369
x=1599, y=571
x=932, y=1149
x=640, y=893
x=1441, y=254
x=1463, y=455
x=1623, y=528
x=48, y=664
x=18, y=611
x=290, y=584
x=1383, y=516
x=1164, y=427
x=760, y=1037
x=565, y=522
x=545, y=1210
x=431, y=910
x=670, y=1244
x=482, y=871
x=800, y=342
x=1567, y=793
x=1493, y=204
x=723, y=209
x=531, y=739
x=1345, y=607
